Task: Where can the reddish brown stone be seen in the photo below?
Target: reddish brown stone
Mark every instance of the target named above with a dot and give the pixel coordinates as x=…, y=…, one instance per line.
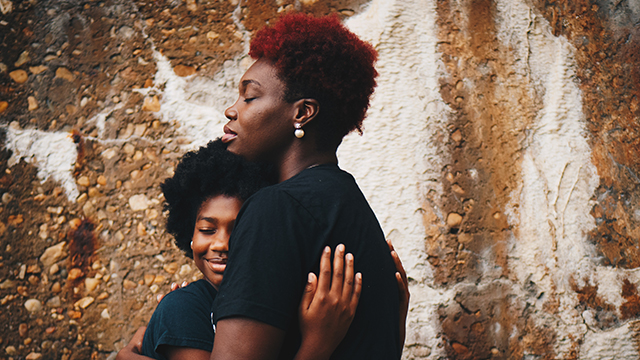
x=184, y=70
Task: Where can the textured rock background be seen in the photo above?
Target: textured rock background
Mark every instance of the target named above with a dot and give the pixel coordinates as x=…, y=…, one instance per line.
x=500, y=154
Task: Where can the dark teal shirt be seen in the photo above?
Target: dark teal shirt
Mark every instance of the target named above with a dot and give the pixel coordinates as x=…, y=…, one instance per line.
x=183, y=318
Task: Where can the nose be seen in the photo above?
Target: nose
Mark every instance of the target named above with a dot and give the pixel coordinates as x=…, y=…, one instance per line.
x=231, y=113
x=220, y=242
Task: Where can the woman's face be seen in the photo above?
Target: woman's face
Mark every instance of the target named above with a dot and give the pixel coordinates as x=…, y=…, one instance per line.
x=214, y=223
x=260, y=122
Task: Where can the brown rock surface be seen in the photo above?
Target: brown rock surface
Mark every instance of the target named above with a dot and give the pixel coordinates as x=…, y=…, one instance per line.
x=91, y=64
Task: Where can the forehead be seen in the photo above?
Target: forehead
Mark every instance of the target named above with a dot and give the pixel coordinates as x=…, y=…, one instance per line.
x=262, y=74
x=220, y=206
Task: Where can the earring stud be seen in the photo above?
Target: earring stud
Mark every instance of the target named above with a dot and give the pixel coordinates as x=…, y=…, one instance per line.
x=299, y=133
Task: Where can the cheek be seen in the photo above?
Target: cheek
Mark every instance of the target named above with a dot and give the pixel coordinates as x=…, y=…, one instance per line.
x=199, y=244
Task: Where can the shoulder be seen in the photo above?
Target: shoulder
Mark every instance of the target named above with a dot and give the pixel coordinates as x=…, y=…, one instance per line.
x=188, y=305
x=326, y=179
x=183, y=319
x=199, y=292
x=269, y=200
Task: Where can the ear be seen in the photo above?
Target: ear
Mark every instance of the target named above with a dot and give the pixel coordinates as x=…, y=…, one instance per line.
x=306, y=111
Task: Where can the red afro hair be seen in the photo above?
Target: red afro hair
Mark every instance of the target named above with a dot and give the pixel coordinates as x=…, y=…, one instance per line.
x=319, y=58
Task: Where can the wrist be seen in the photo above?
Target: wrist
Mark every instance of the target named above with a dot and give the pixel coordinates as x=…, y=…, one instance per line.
x=313, y=350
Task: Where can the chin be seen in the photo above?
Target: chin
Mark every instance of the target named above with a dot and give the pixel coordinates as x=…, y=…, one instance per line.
x=232, y=147
x=216, y=281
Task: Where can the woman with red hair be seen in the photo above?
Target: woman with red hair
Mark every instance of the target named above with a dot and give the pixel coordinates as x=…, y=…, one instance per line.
x=309, y=87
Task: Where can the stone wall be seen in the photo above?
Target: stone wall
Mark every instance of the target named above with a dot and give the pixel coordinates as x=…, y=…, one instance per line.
x=500, y=155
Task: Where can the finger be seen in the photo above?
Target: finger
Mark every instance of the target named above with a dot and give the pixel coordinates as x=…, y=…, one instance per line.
x=399, y=267
x=309, y=292
x=347, y=289
x=403, y=288
x=174, y=286
x=338, y=270
x=324, y=276
x=357, y=290
x=159, y=297
x=390, y=245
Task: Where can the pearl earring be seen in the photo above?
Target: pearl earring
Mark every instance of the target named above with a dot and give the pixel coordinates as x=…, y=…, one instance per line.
x=299, y=133
x=191, y=243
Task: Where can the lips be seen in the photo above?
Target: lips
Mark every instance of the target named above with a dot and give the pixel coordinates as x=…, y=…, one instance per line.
x=229, y=135
x=217, y=265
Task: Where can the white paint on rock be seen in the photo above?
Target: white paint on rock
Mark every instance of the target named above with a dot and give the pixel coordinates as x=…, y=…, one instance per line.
x=397, y=160
x=559, y=181
x=610, y=344
x=53, y=153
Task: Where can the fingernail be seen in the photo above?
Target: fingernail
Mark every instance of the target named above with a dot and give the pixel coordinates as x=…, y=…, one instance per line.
x=310, y=278
x=173, y=285
x=327, y=249
x=359, y=276
x=340, y=247
x=349, y=257
x=184, y=283
x=158, y=297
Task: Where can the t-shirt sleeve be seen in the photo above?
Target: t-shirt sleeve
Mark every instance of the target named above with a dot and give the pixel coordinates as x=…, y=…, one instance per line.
x=181, y=319
x=266, y=270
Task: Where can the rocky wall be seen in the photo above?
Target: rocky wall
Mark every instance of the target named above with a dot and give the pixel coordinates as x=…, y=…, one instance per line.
x=500, y=154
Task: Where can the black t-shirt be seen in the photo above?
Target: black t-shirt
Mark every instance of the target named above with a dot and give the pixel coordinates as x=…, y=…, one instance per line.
x=278, y=239
x=183, y=318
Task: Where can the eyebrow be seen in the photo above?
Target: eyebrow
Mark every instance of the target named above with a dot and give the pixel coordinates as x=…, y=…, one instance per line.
x=250, y=81
x=208, y=219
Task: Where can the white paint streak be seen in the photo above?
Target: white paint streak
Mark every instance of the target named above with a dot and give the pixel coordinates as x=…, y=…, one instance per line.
x=555, y=201
x=610, y=344
x=397, y=160
x=53, y=153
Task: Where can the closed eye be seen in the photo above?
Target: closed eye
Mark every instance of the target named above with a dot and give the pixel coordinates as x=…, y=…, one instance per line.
x=208, y=231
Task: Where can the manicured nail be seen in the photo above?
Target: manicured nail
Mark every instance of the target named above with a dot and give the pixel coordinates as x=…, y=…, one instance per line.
x=184, y=283
x=359, y=276
x=349, y=257
x=327, y=249
x=174, y=285
x=340, y=247
x=310, y=278
x=158, y=297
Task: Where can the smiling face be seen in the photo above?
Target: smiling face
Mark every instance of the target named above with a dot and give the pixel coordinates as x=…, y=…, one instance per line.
x=214, y=223
x=260, y=123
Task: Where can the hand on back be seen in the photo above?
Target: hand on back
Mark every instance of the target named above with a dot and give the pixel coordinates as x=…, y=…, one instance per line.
x=328, y=304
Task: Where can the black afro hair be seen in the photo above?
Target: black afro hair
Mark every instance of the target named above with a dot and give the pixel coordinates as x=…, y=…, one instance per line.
x=208, y=172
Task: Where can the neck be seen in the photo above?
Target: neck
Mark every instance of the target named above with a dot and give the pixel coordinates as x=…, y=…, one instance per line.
x=294, y=162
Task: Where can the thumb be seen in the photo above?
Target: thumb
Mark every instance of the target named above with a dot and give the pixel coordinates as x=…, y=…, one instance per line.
x=309, y=291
